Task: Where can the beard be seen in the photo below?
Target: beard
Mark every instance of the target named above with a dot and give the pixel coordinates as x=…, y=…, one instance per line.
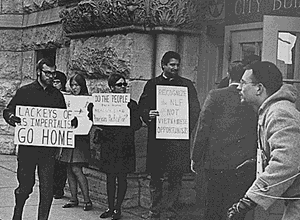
x=46, y=81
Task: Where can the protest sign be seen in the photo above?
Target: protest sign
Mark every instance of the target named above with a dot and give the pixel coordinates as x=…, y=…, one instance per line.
x=78, y=106
x=49, y=127
x=111, y=109
x=172, y=105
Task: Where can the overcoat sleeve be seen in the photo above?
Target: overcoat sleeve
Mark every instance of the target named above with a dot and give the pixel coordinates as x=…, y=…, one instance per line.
x=281, y=135
x=194, y=106
x=135, y=120
x=203, y=128
x=11, y=107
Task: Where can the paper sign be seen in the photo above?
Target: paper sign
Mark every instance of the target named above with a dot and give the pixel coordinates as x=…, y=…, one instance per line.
x=111, y=109
x=172, y=105
x=49, y=127
x=78, y=106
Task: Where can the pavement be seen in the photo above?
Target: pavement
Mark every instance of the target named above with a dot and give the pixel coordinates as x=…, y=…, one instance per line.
x=8, y=182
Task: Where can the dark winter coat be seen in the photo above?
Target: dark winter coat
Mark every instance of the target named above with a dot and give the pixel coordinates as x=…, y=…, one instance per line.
x=226, y=134
x=116, y=143
x=165, y=155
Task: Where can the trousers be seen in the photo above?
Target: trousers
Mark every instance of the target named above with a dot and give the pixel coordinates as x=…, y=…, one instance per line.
x=31, y=158
x=59, y=178
x=162, y=202
x=224, y=188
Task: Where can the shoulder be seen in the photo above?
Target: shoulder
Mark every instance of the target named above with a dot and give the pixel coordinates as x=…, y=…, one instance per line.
x=185, y=81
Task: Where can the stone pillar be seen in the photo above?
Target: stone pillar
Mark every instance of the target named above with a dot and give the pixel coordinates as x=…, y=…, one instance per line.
x=164, y=43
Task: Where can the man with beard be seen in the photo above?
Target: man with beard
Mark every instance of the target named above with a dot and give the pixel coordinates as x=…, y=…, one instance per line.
x=171, y=156
x=39, y=93
x=278, y=164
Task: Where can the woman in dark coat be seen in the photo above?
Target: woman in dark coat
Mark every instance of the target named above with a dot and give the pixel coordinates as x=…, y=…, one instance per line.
x=117, y=157
x=78, y=157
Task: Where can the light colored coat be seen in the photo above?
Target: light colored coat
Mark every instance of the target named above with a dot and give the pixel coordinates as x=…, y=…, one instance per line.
x=279, y=137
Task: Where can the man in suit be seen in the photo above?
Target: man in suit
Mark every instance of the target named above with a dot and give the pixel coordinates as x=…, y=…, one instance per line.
x=278, y=164
x=226, y=137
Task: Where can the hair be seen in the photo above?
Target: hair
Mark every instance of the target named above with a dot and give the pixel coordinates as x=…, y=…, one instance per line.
x=268, y=74
x=82, y=82
x=168, y=56
x=41, y=62
x=62, y=78
x=236, y=70
x=223, y=83
x=251, y=59
x=113, y=78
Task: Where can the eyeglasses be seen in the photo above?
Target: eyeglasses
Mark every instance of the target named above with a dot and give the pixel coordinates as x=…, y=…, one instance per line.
x=243, y=82
x=56, y=81
x=121, y=84
x=49, y=73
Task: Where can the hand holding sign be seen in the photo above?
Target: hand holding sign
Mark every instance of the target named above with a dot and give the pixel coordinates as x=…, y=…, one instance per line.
x=13, y=120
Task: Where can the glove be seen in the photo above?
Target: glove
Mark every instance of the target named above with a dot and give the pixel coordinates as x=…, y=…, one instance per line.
x=74, y=122
x=238, y=210
x=90, y=111
x=248, y=166
x=132, y=105
x=13, y=120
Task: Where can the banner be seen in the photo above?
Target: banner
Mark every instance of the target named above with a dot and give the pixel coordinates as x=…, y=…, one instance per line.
x=78, y=106
x=111, y=109
x=173, y=107
x=49, y=127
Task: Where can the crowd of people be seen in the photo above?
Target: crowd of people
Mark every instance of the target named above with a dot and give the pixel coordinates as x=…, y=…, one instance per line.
x=247, y=137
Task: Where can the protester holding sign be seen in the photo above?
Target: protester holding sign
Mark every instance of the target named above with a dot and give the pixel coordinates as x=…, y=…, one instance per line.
x=78, y=157
x=117, y=157
x=39, y=93
x=167, y=155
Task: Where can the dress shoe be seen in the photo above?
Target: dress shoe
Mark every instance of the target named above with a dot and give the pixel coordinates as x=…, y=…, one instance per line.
x=87, y=206
x=71, y=204
x=107, y=214
x=116, y=214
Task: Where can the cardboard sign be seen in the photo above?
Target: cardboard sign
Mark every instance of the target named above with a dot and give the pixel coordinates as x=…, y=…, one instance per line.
x=173, y=107
x=111, y=109
x=49, y=127
x=78, y=106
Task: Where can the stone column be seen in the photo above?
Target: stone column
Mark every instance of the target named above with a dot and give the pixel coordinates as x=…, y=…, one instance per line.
x=164, y=43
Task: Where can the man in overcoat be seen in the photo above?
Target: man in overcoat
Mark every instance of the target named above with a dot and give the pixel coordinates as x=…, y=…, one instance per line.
x=226, y=137
x=171, y=156
x=278, y=164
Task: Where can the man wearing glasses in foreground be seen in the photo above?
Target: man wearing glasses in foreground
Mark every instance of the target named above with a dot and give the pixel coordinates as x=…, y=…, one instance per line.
x=278, y=164
x=39, y=93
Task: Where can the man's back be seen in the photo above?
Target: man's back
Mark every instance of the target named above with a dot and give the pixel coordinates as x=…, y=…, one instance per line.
x=227, y=129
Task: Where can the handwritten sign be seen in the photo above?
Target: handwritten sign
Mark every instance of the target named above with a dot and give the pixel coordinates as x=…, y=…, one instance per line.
x=173, y=120
x=78, y=106
x=49, y=127
x=111, y=109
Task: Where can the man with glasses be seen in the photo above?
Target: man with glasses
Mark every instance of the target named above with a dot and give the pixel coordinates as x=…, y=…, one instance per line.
x=226, y=137
x=39, y=93
x=278, y=163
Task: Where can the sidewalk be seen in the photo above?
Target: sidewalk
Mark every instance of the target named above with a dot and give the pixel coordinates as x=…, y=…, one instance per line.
x=8, y=182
